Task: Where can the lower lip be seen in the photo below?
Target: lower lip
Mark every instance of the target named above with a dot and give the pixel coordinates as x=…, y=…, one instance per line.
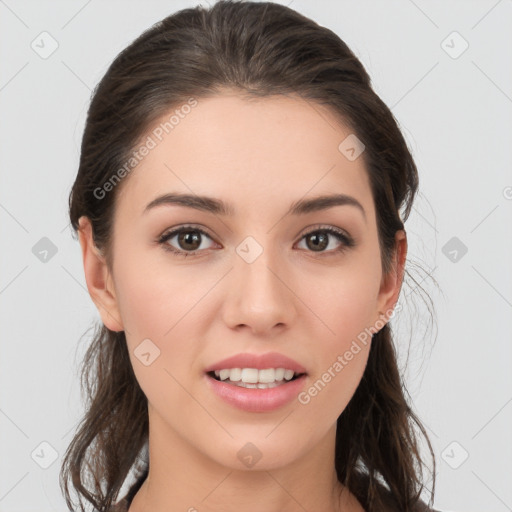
x=254, y=399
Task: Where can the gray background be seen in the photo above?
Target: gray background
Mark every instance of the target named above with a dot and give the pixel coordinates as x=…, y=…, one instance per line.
x=455, y=111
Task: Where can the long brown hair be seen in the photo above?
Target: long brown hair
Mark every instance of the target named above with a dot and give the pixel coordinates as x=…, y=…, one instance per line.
x=260, y=49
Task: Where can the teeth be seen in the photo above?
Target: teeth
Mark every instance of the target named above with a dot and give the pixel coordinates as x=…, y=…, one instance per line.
x=280, y=373
x=234, y=375
x=223, y=374
x=252, y=377
x=249, y=375
x=288, y=374
x=259, y=386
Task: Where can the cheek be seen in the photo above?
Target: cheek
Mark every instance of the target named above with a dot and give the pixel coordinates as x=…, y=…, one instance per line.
x=345, y=307
x=340, y=363
x=155, y=298
x=344, y=300
x=157, y=313
x=163, y=303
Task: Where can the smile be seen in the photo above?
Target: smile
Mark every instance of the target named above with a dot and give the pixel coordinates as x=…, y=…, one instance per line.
x=256, y=396
x=254, y=378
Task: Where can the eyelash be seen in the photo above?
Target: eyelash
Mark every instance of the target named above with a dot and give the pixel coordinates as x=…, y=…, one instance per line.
x=347, y=241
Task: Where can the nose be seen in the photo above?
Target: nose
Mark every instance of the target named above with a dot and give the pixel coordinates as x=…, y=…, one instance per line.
x=259, y=297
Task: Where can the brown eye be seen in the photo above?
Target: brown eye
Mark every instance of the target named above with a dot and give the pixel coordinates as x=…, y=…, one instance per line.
x=189, y=241
x=319, y=240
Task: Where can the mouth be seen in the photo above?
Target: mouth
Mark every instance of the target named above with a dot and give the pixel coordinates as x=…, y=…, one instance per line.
x=255, y=390
x=252, y=378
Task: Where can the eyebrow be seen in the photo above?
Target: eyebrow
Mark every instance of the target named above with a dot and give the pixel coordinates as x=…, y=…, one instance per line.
x=219, y=207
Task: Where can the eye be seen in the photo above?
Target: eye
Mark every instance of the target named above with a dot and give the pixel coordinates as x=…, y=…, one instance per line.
x=188, y=240
x=318, y=240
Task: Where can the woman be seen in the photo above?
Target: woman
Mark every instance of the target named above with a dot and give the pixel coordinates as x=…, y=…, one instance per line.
x=240, y=204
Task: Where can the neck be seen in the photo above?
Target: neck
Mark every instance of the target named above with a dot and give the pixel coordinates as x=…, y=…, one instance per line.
x=182, y=477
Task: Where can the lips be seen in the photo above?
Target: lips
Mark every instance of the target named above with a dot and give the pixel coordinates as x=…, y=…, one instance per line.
x=258, y=361
x=257, y=400
x=248, y=398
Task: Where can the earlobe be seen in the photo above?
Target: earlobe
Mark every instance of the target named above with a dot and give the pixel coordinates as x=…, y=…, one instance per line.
x=98, y=279
x=391, y=283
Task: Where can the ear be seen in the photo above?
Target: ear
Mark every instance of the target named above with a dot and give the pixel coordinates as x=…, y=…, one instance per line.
x=391, y=282
x=98, y=278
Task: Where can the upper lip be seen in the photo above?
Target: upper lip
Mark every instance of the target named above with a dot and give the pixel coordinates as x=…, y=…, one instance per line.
x=258, y=361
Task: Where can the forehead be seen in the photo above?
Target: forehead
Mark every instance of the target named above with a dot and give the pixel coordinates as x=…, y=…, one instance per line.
x=248, y=151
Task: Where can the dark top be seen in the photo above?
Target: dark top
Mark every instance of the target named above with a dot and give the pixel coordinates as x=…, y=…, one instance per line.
x=124, y=504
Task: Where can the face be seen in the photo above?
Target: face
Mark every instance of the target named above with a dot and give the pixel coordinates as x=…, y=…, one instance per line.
x=259, y=278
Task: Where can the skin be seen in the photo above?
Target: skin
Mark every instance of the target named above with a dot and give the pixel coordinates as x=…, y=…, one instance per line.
x=260, y=156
